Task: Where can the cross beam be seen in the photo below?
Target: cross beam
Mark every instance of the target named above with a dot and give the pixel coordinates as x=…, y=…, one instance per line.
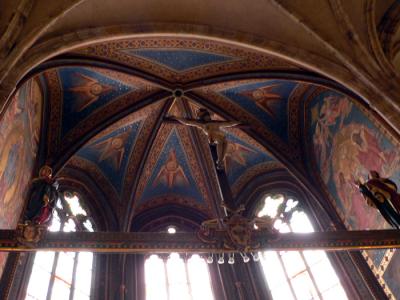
x=156, y=242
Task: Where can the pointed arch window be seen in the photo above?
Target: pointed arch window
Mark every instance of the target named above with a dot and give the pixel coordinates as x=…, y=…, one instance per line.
x=63, y=275
x=297, y=275
x=176, y=278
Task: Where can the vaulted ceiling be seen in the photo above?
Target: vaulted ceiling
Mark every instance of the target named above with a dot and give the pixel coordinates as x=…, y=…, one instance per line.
x=108, y=109
x=108, y=70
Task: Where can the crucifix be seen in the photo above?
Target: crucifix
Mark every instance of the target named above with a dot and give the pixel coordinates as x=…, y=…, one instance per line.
x=213, y=130
x=239, y=229
x=218, y=144
x=233, y=233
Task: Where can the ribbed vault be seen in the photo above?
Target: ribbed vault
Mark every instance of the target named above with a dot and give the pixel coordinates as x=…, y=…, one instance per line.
x=108, y=109
x=107, y=73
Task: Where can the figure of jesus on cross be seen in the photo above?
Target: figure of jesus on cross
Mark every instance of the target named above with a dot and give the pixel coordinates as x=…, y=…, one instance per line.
x=213, y=130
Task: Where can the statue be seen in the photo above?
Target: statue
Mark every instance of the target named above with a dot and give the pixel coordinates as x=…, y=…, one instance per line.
x=42, y=198
x=381, y=193
x=213, y=129
x=238, y=231
x=28, y=234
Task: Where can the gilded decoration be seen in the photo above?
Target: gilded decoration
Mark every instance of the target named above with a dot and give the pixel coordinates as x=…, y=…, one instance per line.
x=30, y=234
x=238, y=231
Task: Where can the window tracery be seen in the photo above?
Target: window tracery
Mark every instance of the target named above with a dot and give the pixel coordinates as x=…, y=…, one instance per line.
x=63, y=275
x=296, y=275
x=177, y=278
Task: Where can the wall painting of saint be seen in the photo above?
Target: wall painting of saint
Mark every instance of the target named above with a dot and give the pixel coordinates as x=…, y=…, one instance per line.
x=19, y=137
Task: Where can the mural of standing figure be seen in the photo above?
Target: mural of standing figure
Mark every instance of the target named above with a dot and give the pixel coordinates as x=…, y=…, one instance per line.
x=213, y=130
x=381, y=193
x=43, y=196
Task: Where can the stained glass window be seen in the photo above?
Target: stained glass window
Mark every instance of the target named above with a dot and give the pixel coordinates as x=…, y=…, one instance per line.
x=63, y=275
x=177, y=278
x=297, y=275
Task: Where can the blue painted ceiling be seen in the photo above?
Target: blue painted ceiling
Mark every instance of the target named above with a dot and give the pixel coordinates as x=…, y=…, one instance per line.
x=84, y=91
x=111, y=153
x=171, y=173
x=146, y=161
x=179, y=60
x=266, y=100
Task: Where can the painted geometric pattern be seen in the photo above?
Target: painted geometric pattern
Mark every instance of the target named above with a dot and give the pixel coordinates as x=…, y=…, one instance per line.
x=241, y=156
x=111, y=152
x=179, y=60
x=391, y=275
x=266, y=100
x=183, y=59
x=172, y=173
x=85, y=91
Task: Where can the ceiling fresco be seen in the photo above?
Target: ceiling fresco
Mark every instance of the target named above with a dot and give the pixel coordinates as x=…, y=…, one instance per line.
x=84, y=90
x=183, y=59
x=271, y=106
x=109, y=123
x=179, y=60
x=109, y=120
x=82, y=98
x=243, y=153
x=174, y=169
x=171, y=172
x=265, y=100
x=346, y=143
x=112, y=151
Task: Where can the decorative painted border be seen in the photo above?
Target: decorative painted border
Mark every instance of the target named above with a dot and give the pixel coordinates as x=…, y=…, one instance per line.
x=244, y=59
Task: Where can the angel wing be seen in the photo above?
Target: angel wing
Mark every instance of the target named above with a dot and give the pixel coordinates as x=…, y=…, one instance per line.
x=236, y=153
x=90, y=91
x=180, y=176
x=162, y=173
